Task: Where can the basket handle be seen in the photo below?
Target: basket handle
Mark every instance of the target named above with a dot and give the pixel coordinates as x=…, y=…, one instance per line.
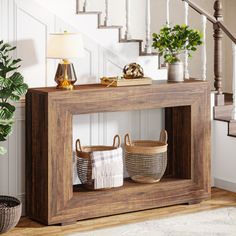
x=163, y=136
x=78, y=145
x=116, y=141
x=127, y=140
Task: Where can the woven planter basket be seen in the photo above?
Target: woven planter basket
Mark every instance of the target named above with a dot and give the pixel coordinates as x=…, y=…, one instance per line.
x=10, y=213
x=84, y=162
x=146, y=160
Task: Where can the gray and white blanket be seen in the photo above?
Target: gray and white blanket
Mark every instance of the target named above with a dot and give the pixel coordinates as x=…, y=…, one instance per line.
x=107, y=168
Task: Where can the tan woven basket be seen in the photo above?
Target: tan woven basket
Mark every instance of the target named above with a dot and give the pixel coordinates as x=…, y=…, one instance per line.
x=146, y=160
x=84, y=162
x=10, y=213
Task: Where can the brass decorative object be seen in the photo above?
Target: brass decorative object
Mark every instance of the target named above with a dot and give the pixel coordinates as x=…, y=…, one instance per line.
x=133, y=71
x=65, y=76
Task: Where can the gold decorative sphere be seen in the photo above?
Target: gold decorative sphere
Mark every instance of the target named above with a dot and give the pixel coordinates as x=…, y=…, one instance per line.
x=133, y=71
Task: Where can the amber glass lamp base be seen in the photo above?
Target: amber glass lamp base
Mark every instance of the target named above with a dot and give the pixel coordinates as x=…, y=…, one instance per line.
x=65, y=76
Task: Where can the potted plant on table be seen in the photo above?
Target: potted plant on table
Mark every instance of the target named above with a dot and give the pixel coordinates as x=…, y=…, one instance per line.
x=12, y=88
x=171, y=42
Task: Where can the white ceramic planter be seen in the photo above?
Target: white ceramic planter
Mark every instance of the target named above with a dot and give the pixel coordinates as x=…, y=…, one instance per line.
x=176, y=72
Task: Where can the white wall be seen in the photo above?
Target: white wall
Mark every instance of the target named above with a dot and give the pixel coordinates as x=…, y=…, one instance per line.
x=224, y=154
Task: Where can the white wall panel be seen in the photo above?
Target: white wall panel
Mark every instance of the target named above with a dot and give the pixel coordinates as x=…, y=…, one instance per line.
x=31, y=48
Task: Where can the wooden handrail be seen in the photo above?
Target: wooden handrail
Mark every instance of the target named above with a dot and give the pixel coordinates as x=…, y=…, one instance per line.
x=211, y=19
x=201, y=11
x=227, y=32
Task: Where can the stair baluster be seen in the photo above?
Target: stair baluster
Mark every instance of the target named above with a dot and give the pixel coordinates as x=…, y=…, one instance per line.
x=186, y=11
x=234, y=82
x=85, y=6
x=106, y=19
x=148, y=48
x=204, y=52
x=77, y=6
x=218, y=63
x=127, y=18
x=168, y=12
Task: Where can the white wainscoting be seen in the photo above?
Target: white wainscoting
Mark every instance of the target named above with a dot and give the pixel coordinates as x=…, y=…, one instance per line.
x=27, y=27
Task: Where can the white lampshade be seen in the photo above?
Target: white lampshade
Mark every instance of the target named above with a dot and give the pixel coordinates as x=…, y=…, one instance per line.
x=65, y=46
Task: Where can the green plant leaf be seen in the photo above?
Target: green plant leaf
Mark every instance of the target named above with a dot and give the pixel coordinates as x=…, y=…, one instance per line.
x=20, y=90
x=5, y=130
x=14, y=97
x=175, y=40
x=5, y=114
x=8, y=106
x=5, y=82
x=12, y=87
x=17, y=78
x=5, y=93
x=7, y=122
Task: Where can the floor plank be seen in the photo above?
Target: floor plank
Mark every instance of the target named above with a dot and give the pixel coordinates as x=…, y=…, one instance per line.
x=27, y=227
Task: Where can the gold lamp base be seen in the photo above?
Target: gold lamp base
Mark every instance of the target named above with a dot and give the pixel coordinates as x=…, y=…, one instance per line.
x=65, y=76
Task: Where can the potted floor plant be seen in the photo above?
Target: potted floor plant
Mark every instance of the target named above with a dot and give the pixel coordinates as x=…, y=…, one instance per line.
x=171, y=42
x=12, y=88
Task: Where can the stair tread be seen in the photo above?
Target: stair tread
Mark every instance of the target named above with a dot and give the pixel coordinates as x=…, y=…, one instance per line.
x=150, y=54
x=110, y=27
x=223, y=118
x=89, y=12
x=131, y=40
x=223, y=113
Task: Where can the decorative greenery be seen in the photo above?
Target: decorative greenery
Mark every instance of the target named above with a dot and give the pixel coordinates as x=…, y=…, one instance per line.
x=171, y=42
x=12, y=87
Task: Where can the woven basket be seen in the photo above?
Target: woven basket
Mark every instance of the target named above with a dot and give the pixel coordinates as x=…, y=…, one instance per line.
x=84, y=162
x=10, y=213
x=146, y=160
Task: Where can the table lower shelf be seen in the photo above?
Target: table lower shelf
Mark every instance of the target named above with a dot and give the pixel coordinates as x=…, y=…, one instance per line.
x=131, y=185
x=131, y=197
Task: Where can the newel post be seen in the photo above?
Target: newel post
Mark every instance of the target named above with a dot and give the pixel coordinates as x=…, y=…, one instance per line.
x=218, y=60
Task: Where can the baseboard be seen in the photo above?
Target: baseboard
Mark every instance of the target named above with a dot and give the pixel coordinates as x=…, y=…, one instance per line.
x=224, y=184
x=22, y=199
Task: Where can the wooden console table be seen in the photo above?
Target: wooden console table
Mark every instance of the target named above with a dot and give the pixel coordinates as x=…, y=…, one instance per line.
x=50, y=196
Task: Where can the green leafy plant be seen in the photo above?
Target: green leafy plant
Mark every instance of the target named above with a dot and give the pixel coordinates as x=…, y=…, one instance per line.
x=172, y=41
x=12, y=87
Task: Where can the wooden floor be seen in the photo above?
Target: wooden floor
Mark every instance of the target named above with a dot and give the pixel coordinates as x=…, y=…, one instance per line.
x=220, y=199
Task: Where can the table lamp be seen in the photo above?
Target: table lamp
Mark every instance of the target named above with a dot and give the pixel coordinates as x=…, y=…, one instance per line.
x=65, y=46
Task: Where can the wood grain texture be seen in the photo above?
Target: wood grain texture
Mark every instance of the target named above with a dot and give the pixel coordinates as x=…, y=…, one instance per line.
x=178, y=126
x=51, y=198
x=219, y=199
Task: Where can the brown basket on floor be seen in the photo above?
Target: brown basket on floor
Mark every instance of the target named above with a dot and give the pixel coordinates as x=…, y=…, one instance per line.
x=10, y=213
x=84, y=162
x=146, y=160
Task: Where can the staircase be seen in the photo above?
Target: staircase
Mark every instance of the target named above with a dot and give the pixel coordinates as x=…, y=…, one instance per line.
x=110, y=37
x=224, y=114
x=225, y=107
